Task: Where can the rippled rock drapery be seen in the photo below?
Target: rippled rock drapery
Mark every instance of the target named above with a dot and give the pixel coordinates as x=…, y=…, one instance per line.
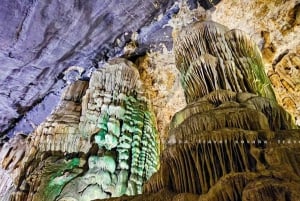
x=275, y=27
x=225, y=60
x=232, y=141
x=101, y=141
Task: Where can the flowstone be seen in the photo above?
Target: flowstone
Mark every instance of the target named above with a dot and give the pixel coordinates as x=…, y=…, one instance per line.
x=232, y=141
x=100, y=142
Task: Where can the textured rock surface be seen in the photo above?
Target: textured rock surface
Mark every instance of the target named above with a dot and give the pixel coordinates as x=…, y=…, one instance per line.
x=224, y=60
x=101, y=141
x=100, y=130
x=70, y=33
x=44, y=38
x=163, y=89
x=274, y=26
x=227, y=143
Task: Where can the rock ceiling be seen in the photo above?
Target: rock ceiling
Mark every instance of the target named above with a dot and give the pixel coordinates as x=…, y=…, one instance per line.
x=41, y=40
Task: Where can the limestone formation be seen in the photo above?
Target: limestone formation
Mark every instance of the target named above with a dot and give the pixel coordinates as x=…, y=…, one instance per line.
x=224, y=60
x=100, y=142
x=232, y=141
x=285, y=77
x=275, y=27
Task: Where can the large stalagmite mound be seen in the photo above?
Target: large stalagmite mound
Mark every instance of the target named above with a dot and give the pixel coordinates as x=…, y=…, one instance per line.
x=232, y=141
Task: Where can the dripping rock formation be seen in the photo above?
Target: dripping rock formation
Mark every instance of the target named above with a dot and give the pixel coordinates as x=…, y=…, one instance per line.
x=232, y=141
x=227, y=133
x=274, y=26
x=100, y=142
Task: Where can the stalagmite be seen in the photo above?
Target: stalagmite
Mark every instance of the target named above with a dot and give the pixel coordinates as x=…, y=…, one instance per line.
x=100, y=142
x=232, y=141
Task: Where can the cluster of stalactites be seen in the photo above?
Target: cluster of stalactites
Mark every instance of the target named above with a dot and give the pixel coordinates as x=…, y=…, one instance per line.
x=230, y=113
x=195, y=166
x=135, y=139
x=223, y=133
x=127, y=125
x=227, y=135
x=109, y=87
x=209, y=56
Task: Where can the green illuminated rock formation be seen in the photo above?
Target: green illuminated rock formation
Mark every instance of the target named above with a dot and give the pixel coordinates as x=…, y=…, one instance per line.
x=100, y=142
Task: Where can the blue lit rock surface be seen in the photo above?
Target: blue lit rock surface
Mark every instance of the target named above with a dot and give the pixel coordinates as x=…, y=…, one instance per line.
x=100, y=142
x=40, y=40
